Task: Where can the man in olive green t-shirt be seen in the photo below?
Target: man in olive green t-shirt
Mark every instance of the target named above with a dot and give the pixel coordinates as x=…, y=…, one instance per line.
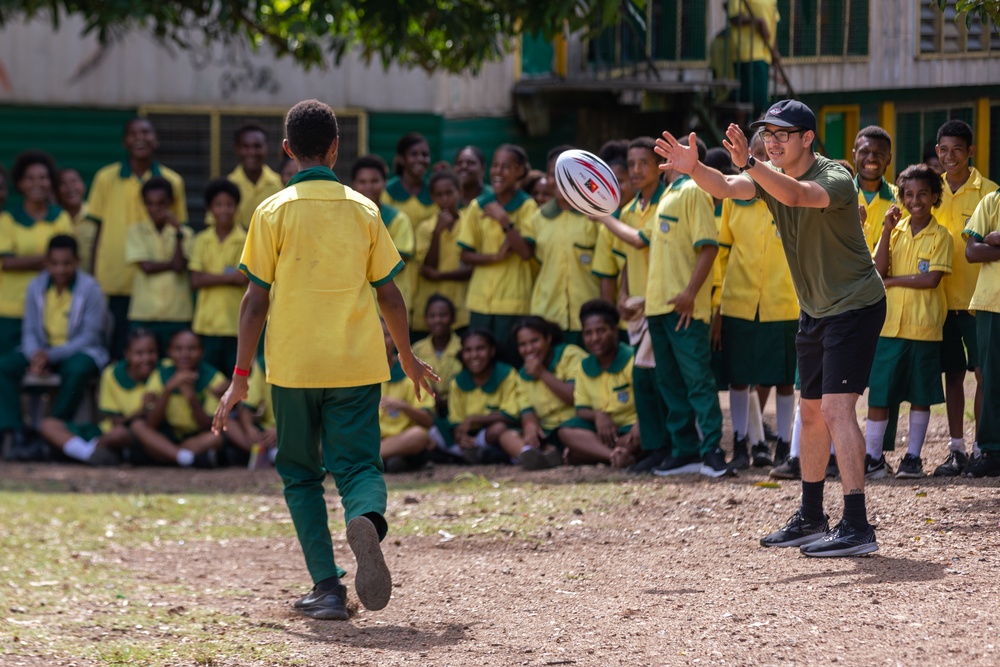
x=814, y=202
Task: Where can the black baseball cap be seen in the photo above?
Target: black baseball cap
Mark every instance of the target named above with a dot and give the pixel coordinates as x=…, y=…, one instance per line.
x=788, y=113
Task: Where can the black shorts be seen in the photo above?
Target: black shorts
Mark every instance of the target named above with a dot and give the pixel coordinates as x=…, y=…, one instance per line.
x=836, y=352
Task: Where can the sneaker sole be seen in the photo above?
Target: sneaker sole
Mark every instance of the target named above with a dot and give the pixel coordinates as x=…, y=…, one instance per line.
x=859, y=550
x=909, y=475
x=373, y=582
x=324, y=613
x=709, y=471
x=798, y=541
x=882, y=473
x=781, y=475
x=683, y=470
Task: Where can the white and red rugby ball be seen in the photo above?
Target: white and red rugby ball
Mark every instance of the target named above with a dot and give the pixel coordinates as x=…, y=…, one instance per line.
x=587, y=183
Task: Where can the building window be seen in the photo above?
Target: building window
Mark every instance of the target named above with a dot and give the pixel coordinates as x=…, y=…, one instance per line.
x=941, y=33
x=823, y=28
x=659, y=30
x=916, y=130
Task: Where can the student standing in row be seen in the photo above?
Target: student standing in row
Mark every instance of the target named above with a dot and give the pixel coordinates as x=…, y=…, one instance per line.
x=256, y=181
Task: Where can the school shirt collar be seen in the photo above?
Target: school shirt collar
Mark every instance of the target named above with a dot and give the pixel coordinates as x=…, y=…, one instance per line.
x=557, y=353
x=655, y=199
x=515, y=203
x=319, y=173
x=388, y=213
x=398, y=192
x=122, y=377
x=126, y=170
x=499, y=373
x=678, y=182
x=884, y=189
x=72, y=283
x=22, y=218
x=592, y=365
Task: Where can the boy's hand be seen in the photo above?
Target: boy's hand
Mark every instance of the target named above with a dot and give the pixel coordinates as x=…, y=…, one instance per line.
x=445, y=218
x=495, y=210
x=237, y=392
x=429, y=272
x=419, y=372
x=863, y=213
x=533, y=434
x=39, y=363
x=606, y=430
x=993, y=239
x=735, y=142
x=715, y=333
x=684, y=306
x=892, y=217
x=533, y=366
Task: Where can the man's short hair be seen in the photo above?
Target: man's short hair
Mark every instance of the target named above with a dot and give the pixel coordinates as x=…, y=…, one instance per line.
x=158, y=183
x=958, y=129
x=64, y=242
x=244, y=129
x=311, y=129
x=875, y=132
x=219, y=186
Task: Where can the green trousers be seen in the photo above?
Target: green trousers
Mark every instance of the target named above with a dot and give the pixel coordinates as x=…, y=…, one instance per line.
x=10, y=334
x=988, y=337
x=118, y=307
x=77, y=372
x=332, y=431
x=684, y=375
x=651, y=409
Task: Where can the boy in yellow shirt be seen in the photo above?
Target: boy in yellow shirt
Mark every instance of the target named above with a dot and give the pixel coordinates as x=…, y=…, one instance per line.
x=313, y=253
x=872, y=155
x=256, y=181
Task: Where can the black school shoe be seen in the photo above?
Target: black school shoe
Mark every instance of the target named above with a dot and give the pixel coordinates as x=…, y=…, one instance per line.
x=843, y=540
x=325, y=605
x=714, y=464
x=653, y=459
x=798, y=531
x=373, y=582
x=790, y=468
x=761, y=454
x=741, y=454
x=678, y=465
x=986, y=464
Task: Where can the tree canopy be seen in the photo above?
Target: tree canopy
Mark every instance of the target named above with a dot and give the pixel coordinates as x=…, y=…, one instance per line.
x=984, y=10
x=450, y=35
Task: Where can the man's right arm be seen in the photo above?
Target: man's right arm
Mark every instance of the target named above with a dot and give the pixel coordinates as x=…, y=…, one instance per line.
x=684, y=158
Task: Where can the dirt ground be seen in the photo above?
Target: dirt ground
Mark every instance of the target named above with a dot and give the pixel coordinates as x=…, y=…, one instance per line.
x=672, y=576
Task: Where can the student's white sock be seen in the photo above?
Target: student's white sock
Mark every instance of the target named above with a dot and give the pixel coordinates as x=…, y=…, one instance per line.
x=272, y=454
x=437, y=438
x=874, y=433
x=918, y=431
x=79, y=449
x=785, y=414
x=976, y=452
x=796, y=434
x=833, y=449
x=739, y=408
x=481, y=439
x=185, y=458
x=755, y=420
x=957, y=445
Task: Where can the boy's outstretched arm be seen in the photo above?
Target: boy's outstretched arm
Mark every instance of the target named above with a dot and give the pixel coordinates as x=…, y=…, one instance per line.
x=393, y=308
x=253, y=314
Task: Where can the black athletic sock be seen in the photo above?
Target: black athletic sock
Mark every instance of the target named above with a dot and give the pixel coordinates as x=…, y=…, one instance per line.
x=328, y=584
x=381, y=527
x=812, y=500
x=854, y=511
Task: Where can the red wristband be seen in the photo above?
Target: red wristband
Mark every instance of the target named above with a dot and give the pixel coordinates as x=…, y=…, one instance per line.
x=239, y=371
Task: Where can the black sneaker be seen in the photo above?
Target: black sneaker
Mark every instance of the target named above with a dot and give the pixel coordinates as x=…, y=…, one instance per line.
x=396, y=464
x=103, y=457
x=911, y=467
x=876, y=469
x=714, y=464
x=208, y=460
x=741, y=455
x=843, y=540
x=532, y=459
x=789, y=469
x=653, y=459
x=781, y=451
x=678, y=465
x=798, y=531
x=761, y=454
x=985, y=465
x=553, y=457
x=770, y=434
x=953, y=466
x=832, y=469
x=326, y=605
x=373, y=582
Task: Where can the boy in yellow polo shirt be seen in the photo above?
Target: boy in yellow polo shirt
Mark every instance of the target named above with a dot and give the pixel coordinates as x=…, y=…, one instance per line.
x=115, y=204
x=983, y=247
x=159, y=247
x=255, y=180
x=215, y=274
x=964, y=188
x=872, y=155
x=313, y=253
x=912, y=257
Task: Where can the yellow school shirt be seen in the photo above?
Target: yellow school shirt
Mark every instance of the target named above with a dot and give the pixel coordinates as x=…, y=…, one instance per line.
x=446, y=365
x=886, y=196
x=319, y=247
x=503, y=288
x=55, y=316
x=684, y=222
x=564, y=246
x=178, y=414
x=746, y=43
x=119, y=394
x=986, y=219
x=606, y=263
x=252, y=194
x=916, y=314
x=416, y=208
x=717, y=266
x=22, y=236
x=449, y=259
x=499, y=394
x=608, y=391
x=954, y=213
x=401, y=232
x=85, y=230
x=217, y=311
x=164, y=296
x=394, y=422
x=259, y=397
x=536, y=397
x=755, y=271
x=115, y=204
x=636, y=260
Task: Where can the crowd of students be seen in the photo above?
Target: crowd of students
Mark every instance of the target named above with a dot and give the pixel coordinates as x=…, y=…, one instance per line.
x=559, y=339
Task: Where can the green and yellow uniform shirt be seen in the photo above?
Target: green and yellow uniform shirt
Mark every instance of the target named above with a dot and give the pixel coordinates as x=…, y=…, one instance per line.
x=608, y=391
x=217, y=312
x=115, y=204
x=394, y=422
x=163, y=296
x=85, y=230
x=756, y=279
x=401, y=232
x=746, y=43
x=954, y=213
x=259, y=397
x=449, y=259
x=564, y=246
x=684, y=222
x=916, y=314
x=536, y=397
x=503, y=288
x=55, y=315
x=120, y=395
x=499, y=394
x=636, y=260
x=876, y=209
x=986, y=219
x=446, y=365
x=606, y=264
x=178, y=414
x=23, y=236
x=253, y=194
x=417, y=208
x=319, y=247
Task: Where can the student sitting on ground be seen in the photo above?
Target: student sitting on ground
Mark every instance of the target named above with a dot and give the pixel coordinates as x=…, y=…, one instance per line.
x=124, y=398
x=605, y=429
x=177, y=428
x=403, y=419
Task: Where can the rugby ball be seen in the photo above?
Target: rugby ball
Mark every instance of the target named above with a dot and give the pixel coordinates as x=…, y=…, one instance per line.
x=587, y=183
